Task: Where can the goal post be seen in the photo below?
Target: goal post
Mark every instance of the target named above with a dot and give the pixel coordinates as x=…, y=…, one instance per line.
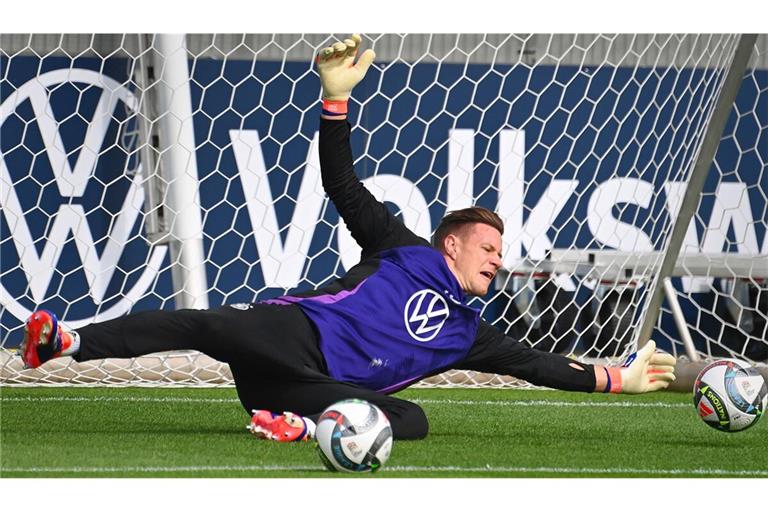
x=693, y=191
x=165, y=171
x=170, y=94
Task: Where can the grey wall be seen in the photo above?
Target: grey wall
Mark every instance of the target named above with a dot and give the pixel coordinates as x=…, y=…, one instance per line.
x=567, y=49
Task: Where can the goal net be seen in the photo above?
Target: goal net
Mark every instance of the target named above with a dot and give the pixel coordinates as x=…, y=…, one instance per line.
x=158, y=172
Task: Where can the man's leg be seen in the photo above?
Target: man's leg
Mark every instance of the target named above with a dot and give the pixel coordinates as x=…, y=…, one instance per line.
x=146, y=332
x=309, y=393
x=264, y=336
x=127, y=336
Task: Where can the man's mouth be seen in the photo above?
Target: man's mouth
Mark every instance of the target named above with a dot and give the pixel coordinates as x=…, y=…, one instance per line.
x=487, y=275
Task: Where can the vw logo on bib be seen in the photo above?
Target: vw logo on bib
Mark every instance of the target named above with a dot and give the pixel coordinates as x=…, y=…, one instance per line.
x=424, y=315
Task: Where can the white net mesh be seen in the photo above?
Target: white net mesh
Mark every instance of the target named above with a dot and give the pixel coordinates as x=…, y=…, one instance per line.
x=725, y=252
x=127, y=186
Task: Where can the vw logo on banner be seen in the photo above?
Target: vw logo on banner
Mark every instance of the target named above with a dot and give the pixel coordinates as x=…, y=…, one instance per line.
x=424, y=315
x=72, y=199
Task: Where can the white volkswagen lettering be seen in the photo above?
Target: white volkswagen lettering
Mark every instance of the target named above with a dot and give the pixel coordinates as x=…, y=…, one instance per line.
x=71, y=218
x=281, y=264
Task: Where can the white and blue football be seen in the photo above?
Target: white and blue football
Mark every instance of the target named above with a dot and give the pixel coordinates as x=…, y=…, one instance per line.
x=353, y=436
x=730, y=395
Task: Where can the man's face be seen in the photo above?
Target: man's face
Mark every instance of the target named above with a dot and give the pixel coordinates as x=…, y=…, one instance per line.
x=474, y=255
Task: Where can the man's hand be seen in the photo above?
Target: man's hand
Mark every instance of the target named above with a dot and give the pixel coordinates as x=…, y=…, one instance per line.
x=644, y=371
x=339, y=74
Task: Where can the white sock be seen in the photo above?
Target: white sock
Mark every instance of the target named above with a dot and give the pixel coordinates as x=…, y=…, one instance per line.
x=311, y=426
x=74, y=347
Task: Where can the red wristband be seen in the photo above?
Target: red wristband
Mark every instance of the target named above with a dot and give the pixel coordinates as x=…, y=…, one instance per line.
x=335, y=108
x=614, y=379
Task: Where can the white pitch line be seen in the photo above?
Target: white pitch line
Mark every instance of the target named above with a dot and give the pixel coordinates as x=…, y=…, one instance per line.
x=551, y=403
x=168, y=399
x=502, y=403
x=407, y=469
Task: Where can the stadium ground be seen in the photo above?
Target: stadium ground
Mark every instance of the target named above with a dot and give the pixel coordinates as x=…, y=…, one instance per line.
x=138, y=432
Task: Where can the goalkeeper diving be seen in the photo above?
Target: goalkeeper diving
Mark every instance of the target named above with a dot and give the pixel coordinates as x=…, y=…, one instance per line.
x=395, y=318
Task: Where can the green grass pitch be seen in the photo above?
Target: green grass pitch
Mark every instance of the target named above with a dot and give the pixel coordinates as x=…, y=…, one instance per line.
x=139, y=432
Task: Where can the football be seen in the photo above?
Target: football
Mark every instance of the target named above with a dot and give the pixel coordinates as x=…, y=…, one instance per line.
x=353, y=436
x=730, y=395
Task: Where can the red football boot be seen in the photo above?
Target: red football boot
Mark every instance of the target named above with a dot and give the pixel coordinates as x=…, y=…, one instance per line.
x=44, y=339
x=282, y=428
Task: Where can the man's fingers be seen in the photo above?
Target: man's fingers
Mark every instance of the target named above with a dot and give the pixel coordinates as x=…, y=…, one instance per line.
x=353, y=44
x=658, y=385
x=649, y=353
x=645, y=353
x=339, y=49
x=351, y=47
x=365, y=61
x=336, y=50
x=337, y=69
x=325, y=54
x=663, y=359
x=661, y=376
x=654, y=368
x=648, y=349
x=347, y=50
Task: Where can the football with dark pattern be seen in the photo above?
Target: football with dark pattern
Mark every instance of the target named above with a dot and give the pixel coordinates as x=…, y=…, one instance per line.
x=730, y=395
x=353, y=436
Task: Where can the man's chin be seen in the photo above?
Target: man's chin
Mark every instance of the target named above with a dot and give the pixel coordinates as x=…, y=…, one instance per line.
x=478, y=292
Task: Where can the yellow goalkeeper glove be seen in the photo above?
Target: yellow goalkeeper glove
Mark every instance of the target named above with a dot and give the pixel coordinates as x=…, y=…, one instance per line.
x=644, y=371
x=339, y=74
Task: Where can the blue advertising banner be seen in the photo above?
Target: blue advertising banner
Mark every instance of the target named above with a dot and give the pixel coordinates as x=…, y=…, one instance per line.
x=547, y=147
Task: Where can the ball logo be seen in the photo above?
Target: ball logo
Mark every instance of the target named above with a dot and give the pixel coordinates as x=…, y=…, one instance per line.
x=425, y=313
x=77, y=134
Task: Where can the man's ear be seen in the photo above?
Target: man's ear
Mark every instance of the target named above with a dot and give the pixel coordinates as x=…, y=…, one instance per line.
x=450, y=246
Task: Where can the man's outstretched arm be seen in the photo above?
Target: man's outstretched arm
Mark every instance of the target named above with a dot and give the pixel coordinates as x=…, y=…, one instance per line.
x=493, y=352
x=371, y=224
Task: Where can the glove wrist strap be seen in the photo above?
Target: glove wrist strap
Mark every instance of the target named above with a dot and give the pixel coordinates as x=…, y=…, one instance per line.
x=335, y=108
x=613, y=376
